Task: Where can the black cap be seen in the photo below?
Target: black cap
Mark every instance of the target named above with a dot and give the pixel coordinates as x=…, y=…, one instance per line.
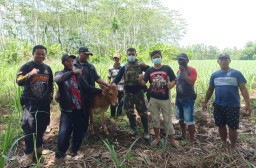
x=84, y=50
x=223, y=55
x=182, y=56
x=66, y=56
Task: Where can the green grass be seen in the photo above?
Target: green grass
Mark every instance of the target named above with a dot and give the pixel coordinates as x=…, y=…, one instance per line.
x=117, y=162
x=10, y=92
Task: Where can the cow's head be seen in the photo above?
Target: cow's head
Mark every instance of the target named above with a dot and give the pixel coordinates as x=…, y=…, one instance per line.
x=111, y=94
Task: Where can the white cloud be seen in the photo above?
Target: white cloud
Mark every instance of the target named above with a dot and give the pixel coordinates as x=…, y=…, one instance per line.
x=221, y=23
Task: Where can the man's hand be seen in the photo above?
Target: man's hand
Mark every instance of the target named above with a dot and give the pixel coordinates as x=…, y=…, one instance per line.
x=204, y=107
x=33, y=72
x=141, y=77
x=170, y=85
x=248, y=108
x=113, y=85
x=77, y=71
x=109, y=85
x=142, y=64
x=182, y=69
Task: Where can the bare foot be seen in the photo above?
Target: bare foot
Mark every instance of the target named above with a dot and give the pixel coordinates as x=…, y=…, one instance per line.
x=174, y=143
x=155, y=142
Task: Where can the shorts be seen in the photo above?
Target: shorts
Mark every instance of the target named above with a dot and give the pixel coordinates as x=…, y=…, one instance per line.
x=226, y=116
x=185, y=111
x=156, y=107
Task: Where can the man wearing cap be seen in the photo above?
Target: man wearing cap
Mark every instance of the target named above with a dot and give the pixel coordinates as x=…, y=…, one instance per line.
x=185, y=96
x=90, y=75
x=71, y=84
x=226, y=82
x=112, y=72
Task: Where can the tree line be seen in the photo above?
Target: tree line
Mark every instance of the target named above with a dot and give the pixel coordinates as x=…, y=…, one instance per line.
x=105, y=26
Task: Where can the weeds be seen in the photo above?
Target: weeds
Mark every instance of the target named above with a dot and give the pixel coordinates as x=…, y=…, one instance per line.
x=10, y=97
x=113, y=153
x=6, y=143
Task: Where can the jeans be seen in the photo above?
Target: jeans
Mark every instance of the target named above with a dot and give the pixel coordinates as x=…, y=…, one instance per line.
x=185, y=111
x=70, y=122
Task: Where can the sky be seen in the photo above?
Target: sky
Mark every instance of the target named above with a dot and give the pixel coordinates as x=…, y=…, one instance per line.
x=220, y=23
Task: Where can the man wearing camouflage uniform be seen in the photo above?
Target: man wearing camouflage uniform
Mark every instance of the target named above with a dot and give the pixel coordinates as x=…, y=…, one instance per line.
x=133, y=92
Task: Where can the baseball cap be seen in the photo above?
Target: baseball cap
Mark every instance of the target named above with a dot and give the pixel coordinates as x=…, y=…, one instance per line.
x=66, y=56
x=84, y=50
x=117, y=56
x=182, y=56
x=223, y=55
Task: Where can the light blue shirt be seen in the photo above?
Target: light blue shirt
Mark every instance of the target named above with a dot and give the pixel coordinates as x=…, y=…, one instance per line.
x=226, y=85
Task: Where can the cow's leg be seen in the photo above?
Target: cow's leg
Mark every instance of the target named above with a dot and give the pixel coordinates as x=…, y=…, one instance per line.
x=103, y=122
x=91, y=122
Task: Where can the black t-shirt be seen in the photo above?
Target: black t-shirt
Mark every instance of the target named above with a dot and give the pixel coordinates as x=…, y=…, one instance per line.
x=158, y=79
x=37, y=87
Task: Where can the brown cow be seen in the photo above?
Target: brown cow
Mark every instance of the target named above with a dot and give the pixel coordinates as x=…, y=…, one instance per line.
x=101, y=102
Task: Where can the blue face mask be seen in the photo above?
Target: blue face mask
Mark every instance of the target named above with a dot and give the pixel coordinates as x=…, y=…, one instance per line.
x=131, y=58
x=157, y=61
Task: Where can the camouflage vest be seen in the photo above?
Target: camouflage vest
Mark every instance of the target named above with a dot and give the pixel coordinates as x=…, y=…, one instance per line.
x=131, y=73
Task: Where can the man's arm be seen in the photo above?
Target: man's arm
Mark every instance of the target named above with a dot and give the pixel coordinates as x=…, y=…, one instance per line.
x=144, y=66
x=171, y=78
x=119, y=76
x=51, y=88
x=208, y=96
x=109, y=76
x=142, y=80
x=24, y=75
x=102, y=82
x=246, y=97
x=189, y=79
x=171, y=84
x=86, y=87
x=62, y=77
x=98, y=78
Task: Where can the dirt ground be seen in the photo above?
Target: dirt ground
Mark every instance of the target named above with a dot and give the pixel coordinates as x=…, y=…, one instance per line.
x=205, y=152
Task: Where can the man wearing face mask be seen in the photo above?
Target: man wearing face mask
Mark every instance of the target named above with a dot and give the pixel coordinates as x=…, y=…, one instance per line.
x=161, y=79
x=185, y=96
x=133, y=94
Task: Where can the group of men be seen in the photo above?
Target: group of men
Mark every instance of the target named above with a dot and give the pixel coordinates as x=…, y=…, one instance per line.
x=76, y=87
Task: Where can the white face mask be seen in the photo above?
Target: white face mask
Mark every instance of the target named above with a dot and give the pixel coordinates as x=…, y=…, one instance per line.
x=131, y=58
